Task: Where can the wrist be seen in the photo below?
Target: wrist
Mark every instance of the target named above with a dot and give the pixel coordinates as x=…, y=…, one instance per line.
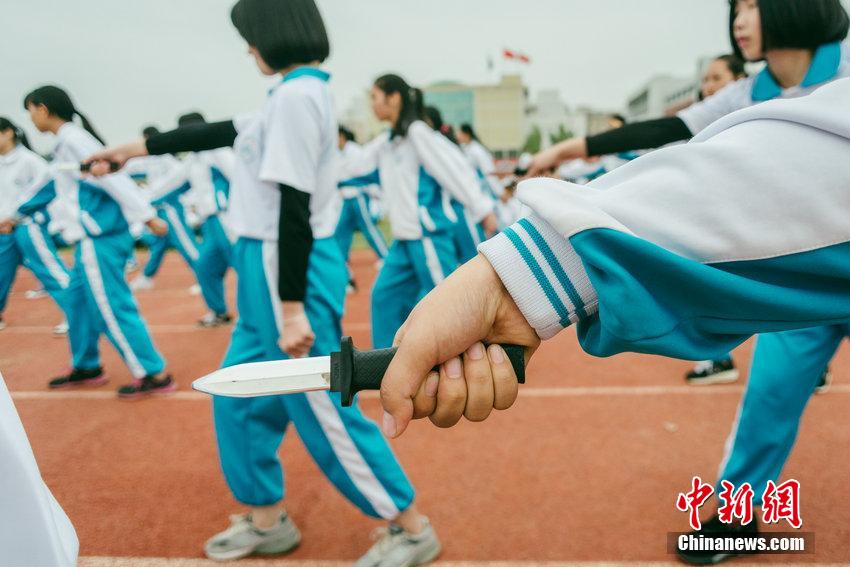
x=574, y=148
x=293, y=310
x=131, y=150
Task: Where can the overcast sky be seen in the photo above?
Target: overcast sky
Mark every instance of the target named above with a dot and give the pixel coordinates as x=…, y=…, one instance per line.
x=130, y=63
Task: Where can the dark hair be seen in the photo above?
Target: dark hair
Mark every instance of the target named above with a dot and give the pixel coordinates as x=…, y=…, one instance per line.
x=18, y=135
x=190, y=118
x=346, y=133
x=411, y=102
x=448, y=131
x=467, y=129
x=285, y=32
x=59, y=104
x=149, y=131
x=796, y=24
x=734, y=63
x=435, y=118
x=619, y=118
x=470, y=131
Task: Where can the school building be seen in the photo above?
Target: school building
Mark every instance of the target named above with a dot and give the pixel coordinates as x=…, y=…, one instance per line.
x=496, y=111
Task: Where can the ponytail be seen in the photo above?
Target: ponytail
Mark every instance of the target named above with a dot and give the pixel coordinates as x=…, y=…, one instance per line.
x=18, y=135
x=435, y=119
x=59, y=104
x=412, y=102
x=21, y=138
x=88, y=127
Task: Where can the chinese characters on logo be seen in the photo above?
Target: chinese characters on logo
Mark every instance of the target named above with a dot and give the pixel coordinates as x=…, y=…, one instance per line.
x=779, y=502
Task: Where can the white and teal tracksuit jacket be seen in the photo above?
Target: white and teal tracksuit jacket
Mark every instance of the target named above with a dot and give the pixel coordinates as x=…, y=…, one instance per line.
x=691, y=249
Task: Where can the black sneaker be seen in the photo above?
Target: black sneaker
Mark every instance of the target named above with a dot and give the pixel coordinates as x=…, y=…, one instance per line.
x=147, y=386
x=824, y=382
x=84, y=377
x=712, y=372
x=715, y=528
x=211, y=320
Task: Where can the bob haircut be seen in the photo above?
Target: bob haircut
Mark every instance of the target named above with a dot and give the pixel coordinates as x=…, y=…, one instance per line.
x=285, y=32
x=796, y=24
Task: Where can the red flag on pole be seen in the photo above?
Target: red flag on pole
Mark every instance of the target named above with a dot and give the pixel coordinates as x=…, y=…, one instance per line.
x=516, y=56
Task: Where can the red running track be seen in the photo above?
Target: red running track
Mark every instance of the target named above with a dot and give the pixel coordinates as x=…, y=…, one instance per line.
x=584, y=468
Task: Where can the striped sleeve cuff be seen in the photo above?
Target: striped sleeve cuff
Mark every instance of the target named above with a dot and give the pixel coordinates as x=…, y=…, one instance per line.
x=543, y=274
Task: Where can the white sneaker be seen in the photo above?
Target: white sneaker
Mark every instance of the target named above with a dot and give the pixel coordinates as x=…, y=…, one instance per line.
x=141, y=283
x=195, y=290
x=211, y=320
x=242, y=539
x=35, y=294
x=2, y=324
x=397, y=548
x=61, y=329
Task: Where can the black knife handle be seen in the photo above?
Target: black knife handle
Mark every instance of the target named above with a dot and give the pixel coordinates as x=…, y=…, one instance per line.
x=355, y=370
x=113, y=167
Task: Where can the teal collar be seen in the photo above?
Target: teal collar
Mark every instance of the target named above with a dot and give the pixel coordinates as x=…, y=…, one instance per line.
x=824, y=67
x=306, y=72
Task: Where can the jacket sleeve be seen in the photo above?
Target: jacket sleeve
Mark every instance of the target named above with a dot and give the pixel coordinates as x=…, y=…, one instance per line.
x=360, y=168
x=126, y=193
x=176, y=180
x=38, y=199
x=119, y=186
x=447, y=164
x=39, y=193
x=687, y=251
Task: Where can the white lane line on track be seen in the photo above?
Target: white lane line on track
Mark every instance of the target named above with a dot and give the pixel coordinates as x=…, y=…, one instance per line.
x=601, y=391
x=185, y=562
x=39, y=330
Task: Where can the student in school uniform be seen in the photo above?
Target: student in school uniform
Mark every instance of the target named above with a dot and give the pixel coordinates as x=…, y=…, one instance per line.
x=583, y=171
x=635, y=271
x=189, y=186
x=97, y=297
x=470, y=228
x=803, y=51
x=721, y=71
x=26, y=190
x=166, y=183
x=482, y=160
x=284, y=205
x=801, y=42
x=356, y=211
x=207, y=200
x=149, y=171
x=419, y=171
